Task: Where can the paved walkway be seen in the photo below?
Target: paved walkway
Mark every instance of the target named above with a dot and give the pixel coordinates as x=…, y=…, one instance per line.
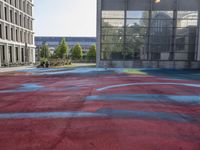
x=100, y=109
x=10, y=69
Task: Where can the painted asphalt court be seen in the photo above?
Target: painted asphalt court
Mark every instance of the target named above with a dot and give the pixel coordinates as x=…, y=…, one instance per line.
x=100, y=109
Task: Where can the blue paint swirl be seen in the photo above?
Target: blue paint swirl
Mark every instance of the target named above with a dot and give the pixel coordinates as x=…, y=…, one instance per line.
x=184, y=99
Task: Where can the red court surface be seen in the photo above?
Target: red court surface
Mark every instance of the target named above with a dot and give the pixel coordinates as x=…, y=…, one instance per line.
x=98, y=109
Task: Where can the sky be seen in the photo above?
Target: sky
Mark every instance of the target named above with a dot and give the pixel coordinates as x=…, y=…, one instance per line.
x=65, y=18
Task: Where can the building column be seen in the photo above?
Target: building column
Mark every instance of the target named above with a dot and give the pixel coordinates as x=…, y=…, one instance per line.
x=7, y=59
x=33, y=57
x=28, y=54
x=0, y=55
x=198, y=48
x=98, y=44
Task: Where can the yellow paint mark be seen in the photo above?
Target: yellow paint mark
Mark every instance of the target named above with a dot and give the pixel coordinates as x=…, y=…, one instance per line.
x=134, y=71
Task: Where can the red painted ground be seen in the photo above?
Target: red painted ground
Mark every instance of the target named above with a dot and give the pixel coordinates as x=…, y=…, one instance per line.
x=95, y=133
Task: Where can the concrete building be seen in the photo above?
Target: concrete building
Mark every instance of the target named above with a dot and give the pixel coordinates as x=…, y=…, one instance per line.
x=16, y=32
x=53, y=42
x=148, y=33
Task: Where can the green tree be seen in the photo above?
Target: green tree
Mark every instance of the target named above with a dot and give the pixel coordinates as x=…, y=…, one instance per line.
x=45, y=52
x=62, y=49
x=91, y=54
x=77, y=52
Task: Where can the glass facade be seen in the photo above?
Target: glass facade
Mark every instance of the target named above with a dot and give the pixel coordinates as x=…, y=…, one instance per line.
x=149, y=35
x=112, y=38
x=186, y=35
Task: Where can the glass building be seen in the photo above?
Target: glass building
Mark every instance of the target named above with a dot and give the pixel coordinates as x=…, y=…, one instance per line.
x=148, y=33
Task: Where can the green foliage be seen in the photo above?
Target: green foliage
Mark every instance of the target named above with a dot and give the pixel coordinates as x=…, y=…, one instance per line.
x=45, y=52
x=43, y=61
x=77, y=52
x=62, y=49
x=91, y=55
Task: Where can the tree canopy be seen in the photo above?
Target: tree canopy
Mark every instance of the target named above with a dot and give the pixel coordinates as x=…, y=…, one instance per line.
x=91, y=55
x=45, y=52
x=62, y=49
x=77, y=52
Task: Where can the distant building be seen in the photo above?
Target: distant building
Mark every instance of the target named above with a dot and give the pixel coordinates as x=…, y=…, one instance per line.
x=16, y=32
x=148, y=33
x=53, y=42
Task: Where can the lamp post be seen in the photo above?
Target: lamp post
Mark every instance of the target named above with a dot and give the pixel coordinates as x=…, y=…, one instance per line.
x=156, y=1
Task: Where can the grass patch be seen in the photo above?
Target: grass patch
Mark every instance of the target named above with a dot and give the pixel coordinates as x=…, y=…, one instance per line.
x=77, y=65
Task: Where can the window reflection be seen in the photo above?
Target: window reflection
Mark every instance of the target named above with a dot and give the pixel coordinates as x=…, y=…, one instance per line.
x=112, y=31
x=137, y=14
x=112, y=38
x=112, y=51
x=186, y=35
x=112, y=22
x=113, y=14
x=136, y=34
x=160, y=37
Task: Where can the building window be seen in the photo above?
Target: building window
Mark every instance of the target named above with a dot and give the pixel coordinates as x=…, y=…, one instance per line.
x=137, y=23
x=25, y=37
x=161, y=35
x=112, y=38
x=186, y=35
x=134, y=35
x=21, y=36
x=24, y=6
x=17, y=35
x=5, y=13
x=6, y=30
x=22, y=54
x=16, y=18
x=1, y=33
x=15, y=3
x=24, y=22
x=20, y=4
x=0, y=11
x=20, y=20
x=12, y=37
x=3, y=53
x=124, y=37
x=11, y=16
x=28, y=24
x=17, y=53
x=11, y=55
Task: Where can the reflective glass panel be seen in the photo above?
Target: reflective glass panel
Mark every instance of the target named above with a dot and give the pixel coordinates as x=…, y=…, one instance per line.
x=137, y=14
x=112, y=51
x=186, y=35
x=136, y=31
x=137, y=22
x=112, y=14
x=112, y=31
x=112, y=22
x=112, y=39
